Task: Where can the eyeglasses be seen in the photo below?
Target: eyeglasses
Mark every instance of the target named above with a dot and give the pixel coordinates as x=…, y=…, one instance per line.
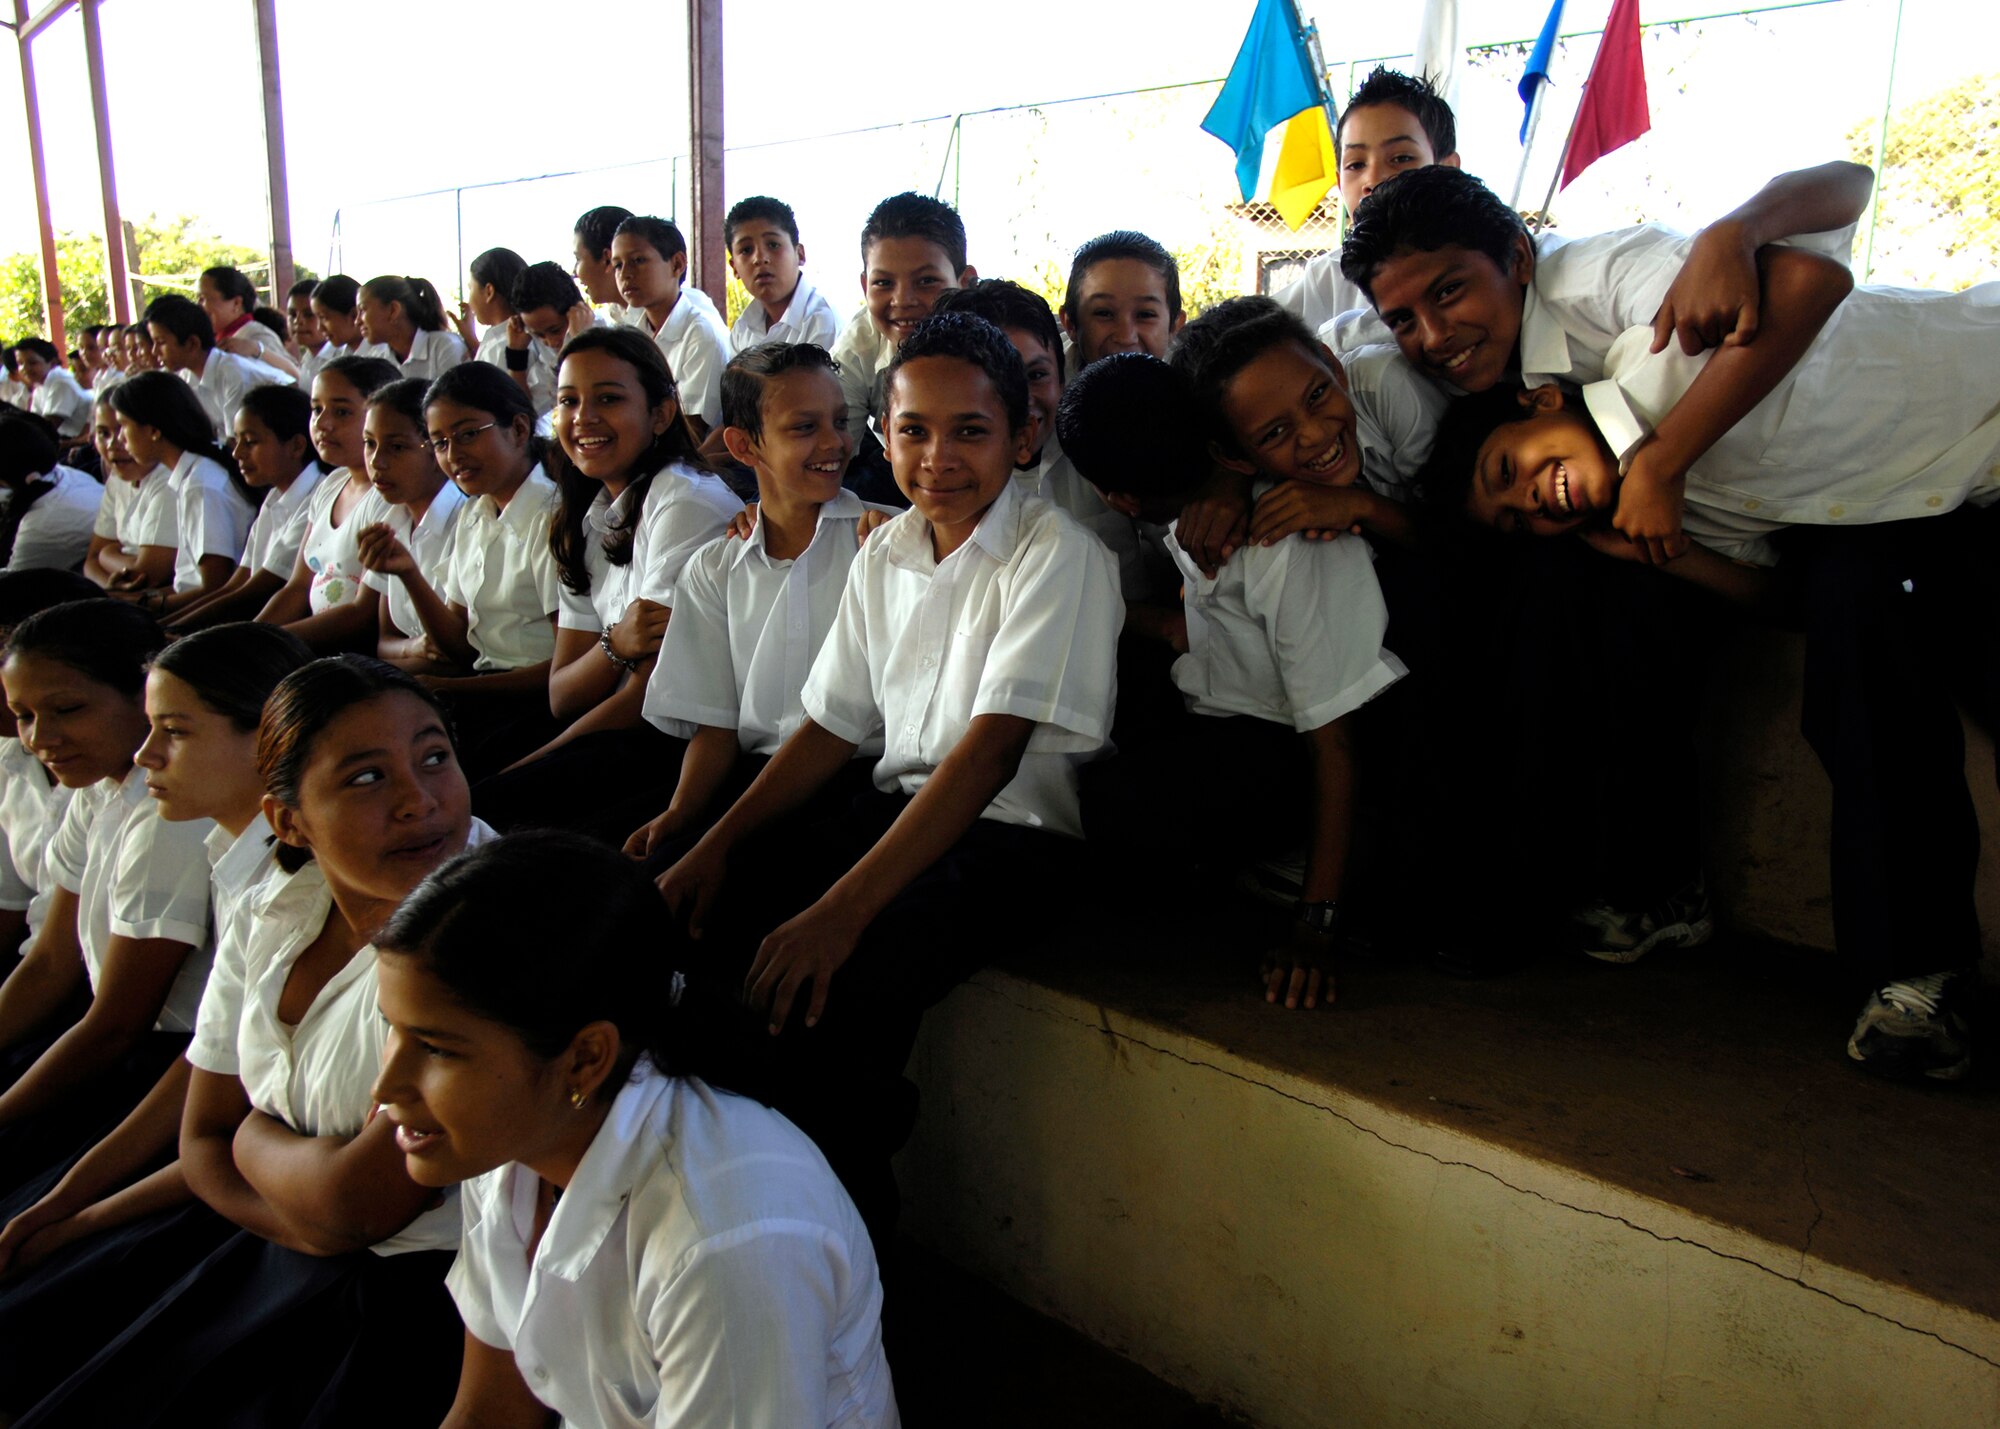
x=451, y=441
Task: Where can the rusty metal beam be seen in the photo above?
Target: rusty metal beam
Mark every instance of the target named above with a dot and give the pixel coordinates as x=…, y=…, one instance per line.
x=107, y=179
x=51, y=279
x=274, y=151
x=28, y=28
x=710, y=259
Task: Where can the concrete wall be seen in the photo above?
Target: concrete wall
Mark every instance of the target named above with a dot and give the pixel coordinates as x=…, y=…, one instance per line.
x=1768, y=806
x=1311, y=1259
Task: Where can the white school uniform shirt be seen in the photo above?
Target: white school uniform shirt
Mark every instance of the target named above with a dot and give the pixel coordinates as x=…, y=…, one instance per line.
x=119, y=495
x=330, y=552
x=745, y=631
x=62, y=399
x=136, y=875
x=311, y=361
x=107, y=379
x=16, y=393
x=541, y=365
x=1055, y=478
x=1397, y=413
x=808, y=317
x=1290, y=632
x=703, y=1268
x=432, y=353
x=239, y=866
x=226, y=379
x=501, y=570
x=153, y=515
x=269, y=343
x=32, y=806
x=427, y=541
x=1891, y=414
x=696, y=346
x=279, y=527
x=1022, y=619
x=864, y=355
x=685, y=509
x=214, y=517
x=1321, y=293
x=57, y=529
x=315, y=1076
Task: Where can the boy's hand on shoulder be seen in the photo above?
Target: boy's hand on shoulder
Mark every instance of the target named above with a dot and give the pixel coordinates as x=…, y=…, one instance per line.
x=1299, y=971
x=1322, y=512
x=807, y=951
x=1211, y=526
x=743, y=524
x=870, y=521
x=1649, y=507
x=1714, y=299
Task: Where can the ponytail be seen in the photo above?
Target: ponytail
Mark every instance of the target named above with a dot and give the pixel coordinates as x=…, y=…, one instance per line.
x=420, y=301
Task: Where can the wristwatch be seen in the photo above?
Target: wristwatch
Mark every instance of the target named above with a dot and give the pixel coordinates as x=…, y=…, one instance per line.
x=1320, y=918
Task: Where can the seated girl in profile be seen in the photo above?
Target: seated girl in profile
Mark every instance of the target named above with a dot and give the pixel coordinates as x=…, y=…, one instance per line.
x=639, y=1246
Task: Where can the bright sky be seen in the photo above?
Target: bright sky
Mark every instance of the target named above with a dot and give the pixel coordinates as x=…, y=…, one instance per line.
x=389, y=97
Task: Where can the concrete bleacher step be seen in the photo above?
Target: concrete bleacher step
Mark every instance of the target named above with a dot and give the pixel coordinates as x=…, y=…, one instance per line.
x=1576, y=1196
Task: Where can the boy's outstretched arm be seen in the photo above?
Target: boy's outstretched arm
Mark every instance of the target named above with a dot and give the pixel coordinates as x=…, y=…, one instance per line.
x=812, y=947
x=1734, y=581
x=1300, y=971
x=1801, y=291
x=1715, y=302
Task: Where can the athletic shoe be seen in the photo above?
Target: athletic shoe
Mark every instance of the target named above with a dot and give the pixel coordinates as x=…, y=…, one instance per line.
x=1625, y=935
x=1917, y=1027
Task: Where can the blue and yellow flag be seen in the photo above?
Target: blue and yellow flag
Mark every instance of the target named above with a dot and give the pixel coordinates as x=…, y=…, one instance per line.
x=1271, y=81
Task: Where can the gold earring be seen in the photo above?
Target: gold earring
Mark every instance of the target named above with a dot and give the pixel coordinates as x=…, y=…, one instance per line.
x=578, y=1098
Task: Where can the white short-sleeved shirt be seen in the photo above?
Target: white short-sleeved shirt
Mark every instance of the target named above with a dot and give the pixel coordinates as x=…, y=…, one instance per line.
x=501, y=570
x=541, y=365
x=703, y=1268
x=1891, y=414
x=239, y=865
x=32, y=806
x=311, y=362
x=226, y=378
x=433, y=353
x=1321, y=293
x=153, y=516
x=685, y=509
x=119, y=495
x=1397, y=412
x=1022, y=619
x=1290, y=632
x=745, y=631
x=63, y=401
x=808, y=317
x=330, y=551
x=269, y=343
x=279, y=527
x=427, y=542
x=696, y=346
x=136, y=876
x=315, y=1076
x=864, y=355
x=213, y=517
x=56, y=532
x=1056, y=478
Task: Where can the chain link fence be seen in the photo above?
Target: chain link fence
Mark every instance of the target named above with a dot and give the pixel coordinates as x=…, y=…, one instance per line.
x=1734, y=97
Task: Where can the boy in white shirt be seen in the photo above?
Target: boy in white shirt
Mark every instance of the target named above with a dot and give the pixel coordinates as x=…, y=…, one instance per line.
x=762, y=235
x=184, y=340
x=53, y=392
x=651, y=261
x=593, y=268
x=976, y=637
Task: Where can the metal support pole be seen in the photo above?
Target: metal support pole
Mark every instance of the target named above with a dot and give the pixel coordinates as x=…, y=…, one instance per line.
x=107, y=179
x=51, y=279
x=274, y=150
x=710, y=261
x=1882, y=147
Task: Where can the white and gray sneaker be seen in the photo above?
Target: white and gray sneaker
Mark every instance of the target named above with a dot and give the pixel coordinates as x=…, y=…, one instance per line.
x=1917, y=1027
x=1625, y=935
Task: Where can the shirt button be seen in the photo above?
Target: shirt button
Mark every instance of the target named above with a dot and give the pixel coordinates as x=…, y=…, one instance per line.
x=1752, y=505
x=541, y=1374
x=910, y=730
x=928, y=662
x=1836, y=512
x=1934, y=501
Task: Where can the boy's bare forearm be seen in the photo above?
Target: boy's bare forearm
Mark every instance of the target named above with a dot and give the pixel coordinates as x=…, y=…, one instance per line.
x=145, y=1138
x=800, y=768
x=1330, y=749
x=1816, y=200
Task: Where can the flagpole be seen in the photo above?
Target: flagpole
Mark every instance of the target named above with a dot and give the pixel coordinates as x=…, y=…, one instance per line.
x=1563, y=160
x=1528, y=143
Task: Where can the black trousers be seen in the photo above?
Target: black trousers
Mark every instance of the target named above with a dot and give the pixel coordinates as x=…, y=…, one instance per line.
x=493, y=730
x=604, y=784
x=1902, y=623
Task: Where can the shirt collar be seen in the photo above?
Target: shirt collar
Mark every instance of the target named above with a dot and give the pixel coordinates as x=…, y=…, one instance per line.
x=845, y=506
x=624, y=1149
x=521, y=509
x=237, y=861
x=1543, y=345
x=183, y=469
x=998, y=532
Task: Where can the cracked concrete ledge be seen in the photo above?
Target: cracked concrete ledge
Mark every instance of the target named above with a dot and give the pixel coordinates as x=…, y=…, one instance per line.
x=1561, y=1190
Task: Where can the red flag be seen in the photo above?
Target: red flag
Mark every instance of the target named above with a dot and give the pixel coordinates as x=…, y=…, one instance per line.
x=1613, y=112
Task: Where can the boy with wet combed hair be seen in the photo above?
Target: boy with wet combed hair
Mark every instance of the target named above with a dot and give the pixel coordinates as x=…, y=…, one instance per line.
x=762, y=236
x=975, y=637
x=651, y=260
x=1124, y=295
x=184, y=341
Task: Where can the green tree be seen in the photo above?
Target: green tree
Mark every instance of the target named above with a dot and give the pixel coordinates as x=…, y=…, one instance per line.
x=1937, y=223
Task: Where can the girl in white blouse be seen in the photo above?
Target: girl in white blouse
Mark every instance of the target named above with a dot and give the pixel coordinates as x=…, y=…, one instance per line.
x=164, y=425
x=639, y=1247
x=132, y=1225
x=128, y=928
x=336, y=302
x=329, y=1306
x=637, y=501
x=230, y=300
x=316, y=602
x=419, y=507
x=405, y=316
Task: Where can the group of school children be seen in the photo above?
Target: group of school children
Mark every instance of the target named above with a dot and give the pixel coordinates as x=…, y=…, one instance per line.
x=489, y=815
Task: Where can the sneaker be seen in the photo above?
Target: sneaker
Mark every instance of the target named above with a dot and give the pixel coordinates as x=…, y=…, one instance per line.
x=1917, y=1027
x=1625, y=935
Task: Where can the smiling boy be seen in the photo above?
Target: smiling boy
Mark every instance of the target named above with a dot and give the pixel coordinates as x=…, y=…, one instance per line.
x=975, y=638
x=762, y=235
x=650, y=258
